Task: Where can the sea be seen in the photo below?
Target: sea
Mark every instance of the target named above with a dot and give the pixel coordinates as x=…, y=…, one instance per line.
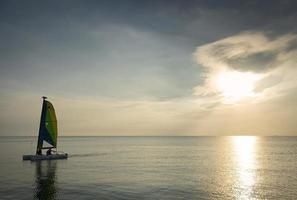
x=233, y=167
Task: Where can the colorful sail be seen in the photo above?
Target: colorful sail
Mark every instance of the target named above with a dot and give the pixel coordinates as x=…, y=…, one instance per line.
x=48, y=125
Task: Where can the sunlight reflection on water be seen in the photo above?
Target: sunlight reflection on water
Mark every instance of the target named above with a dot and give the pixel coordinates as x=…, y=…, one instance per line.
x=245, y=163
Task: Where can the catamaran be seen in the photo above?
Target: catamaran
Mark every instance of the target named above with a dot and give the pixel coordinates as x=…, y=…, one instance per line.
x=48, y=132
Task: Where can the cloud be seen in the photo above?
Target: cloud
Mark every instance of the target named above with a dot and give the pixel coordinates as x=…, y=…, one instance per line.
x=271, y=59
x=248, y=51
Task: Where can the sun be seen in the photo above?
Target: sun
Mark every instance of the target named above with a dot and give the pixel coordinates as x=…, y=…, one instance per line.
x=235, y=86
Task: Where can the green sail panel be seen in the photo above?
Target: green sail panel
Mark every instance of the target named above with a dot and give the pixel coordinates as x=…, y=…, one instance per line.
x=51, y=123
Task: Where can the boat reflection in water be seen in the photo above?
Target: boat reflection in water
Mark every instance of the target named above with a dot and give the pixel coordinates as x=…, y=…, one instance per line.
x=245, y=148
x=45, y=180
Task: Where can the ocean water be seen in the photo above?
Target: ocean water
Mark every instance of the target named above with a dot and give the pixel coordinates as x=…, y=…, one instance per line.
x=152, y=168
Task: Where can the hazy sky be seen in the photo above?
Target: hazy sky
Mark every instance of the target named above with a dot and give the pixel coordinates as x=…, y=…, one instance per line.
x=150, y=67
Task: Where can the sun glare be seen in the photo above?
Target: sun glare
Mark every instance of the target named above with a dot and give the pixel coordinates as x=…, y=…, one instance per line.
x=235, y=86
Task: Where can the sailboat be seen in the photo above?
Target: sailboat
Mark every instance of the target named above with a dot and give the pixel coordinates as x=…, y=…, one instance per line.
x=48, y=133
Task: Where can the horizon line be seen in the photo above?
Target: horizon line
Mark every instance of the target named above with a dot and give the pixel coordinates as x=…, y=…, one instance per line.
x=153, y=135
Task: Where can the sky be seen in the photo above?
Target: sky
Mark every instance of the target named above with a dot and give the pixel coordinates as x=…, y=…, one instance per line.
x=152, y=68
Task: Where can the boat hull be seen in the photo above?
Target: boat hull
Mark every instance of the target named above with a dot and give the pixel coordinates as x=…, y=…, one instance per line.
x=45, y=157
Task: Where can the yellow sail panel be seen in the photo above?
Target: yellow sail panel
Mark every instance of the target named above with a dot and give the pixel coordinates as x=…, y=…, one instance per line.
x=51, y=123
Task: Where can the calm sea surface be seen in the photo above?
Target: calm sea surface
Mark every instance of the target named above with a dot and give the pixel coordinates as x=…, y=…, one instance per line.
x=153, y=168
